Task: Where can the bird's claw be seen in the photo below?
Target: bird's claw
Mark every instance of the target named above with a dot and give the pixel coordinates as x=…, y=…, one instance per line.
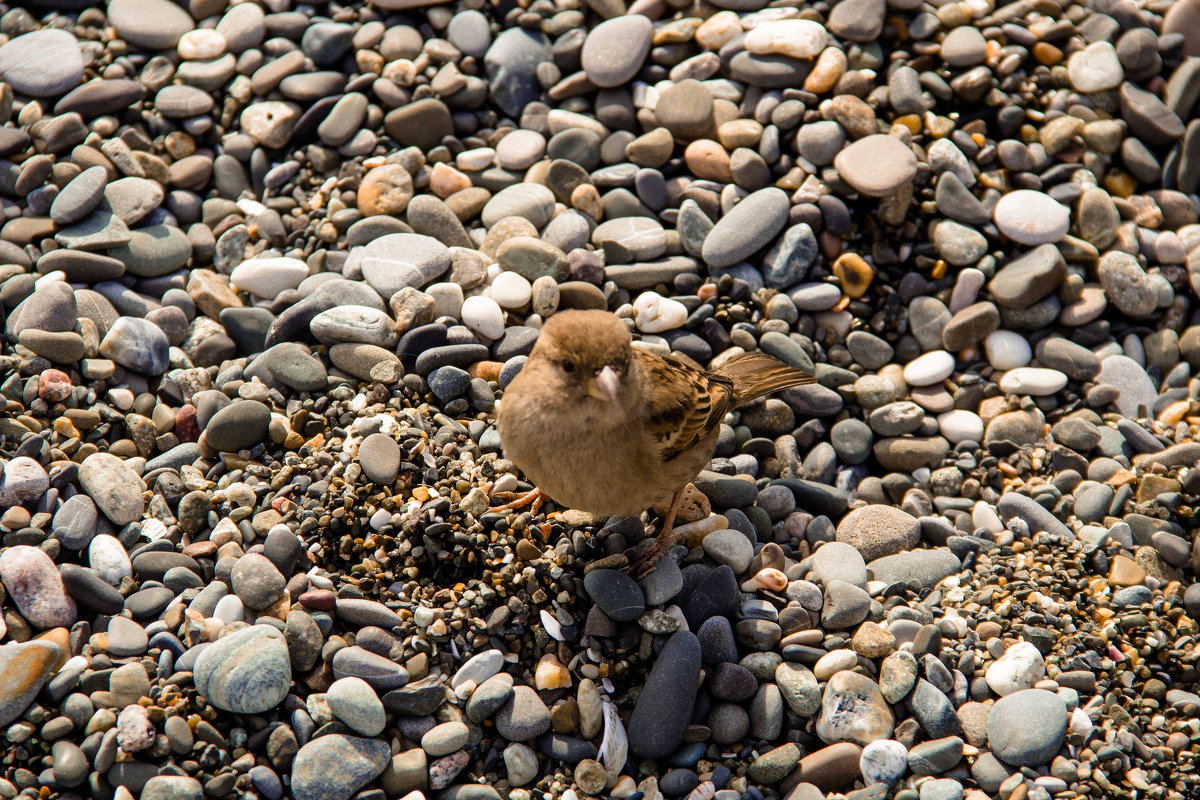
x=534, y=499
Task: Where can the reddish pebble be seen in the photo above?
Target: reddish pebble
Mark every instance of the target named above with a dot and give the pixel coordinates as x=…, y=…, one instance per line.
x=54, y=386
x=186, y=427
x=200, y=549
x=320, y=599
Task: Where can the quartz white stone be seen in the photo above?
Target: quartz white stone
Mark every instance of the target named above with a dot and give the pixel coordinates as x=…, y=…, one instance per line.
x=1031, y=217
x=109, y=559
x=1020, y=667
x=961, y=425
x=883, y=761
x=929, y=368
x=510, y=290
x=267, y=277
x=795, y=38
x=654, y=313
x=484, y=316
x=1036, y=381
x=1007, y=350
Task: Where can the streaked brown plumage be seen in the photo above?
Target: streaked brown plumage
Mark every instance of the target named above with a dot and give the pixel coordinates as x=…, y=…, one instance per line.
x=602, y=426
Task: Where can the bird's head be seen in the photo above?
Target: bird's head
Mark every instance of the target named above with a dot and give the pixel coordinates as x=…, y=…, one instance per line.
x=584, y=354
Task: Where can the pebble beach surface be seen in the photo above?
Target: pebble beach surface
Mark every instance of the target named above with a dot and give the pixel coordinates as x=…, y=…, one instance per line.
x=266, y=269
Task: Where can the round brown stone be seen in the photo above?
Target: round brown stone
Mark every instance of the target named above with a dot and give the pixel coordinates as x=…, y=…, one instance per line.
x=385, y=190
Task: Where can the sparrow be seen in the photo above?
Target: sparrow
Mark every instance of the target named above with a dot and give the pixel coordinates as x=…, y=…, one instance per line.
x=602, y=426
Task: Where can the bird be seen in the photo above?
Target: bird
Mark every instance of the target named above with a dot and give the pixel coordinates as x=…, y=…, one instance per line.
x=602, y=426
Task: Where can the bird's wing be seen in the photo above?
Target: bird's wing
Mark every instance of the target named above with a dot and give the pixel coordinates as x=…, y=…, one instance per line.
x=683, y=404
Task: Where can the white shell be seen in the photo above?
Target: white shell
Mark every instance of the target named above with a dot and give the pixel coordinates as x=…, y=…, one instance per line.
x=614, y=746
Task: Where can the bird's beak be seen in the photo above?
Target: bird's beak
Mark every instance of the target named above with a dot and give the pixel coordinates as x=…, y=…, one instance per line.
x=605, y=385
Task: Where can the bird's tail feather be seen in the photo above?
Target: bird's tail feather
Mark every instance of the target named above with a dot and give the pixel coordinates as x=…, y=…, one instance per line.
x=756, y=374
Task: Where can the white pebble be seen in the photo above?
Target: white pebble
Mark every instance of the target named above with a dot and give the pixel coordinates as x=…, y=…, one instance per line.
x=983, y=515
x=510, y=290
x=966, y=289
x=1007, y=350
x=267, y=277
x=1035, y=381
x=201, y=45
x=1031, y=217
x=229, y=609
x=475, y=160
x=883, y=761
x=795, y=38
x=961, y=425
x=1020, y=667
x=484, y=316
x=107, y=556
x=929, y=368
x=447, y=299
x=654, y=313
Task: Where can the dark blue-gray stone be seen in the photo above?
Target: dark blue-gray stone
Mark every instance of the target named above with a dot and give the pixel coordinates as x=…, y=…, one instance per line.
x=788, y=260
x=617, y=594
x=74, y=524
x=715, y=596
x=511, y=63
x=664, y=707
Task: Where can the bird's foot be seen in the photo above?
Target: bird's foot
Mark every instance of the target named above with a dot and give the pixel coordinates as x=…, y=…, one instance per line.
x=649, y=560
x=534, y=499
x=645, y=565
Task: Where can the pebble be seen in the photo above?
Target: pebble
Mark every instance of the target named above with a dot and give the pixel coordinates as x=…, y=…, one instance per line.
x=883, y=761
x=614, y=50
x=354, y=702
x=246, y=672
x=1031, y=218
x=876, y=165
x=42, y=63
x=853, y=709
x=336, y=766
x=1026, y=728
x=746, y=228
x=664, y=708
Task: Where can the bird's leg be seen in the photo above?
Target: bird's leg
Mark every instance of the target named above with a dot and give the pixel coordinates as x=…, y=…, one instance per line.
x=534, y=499
x=645, y=565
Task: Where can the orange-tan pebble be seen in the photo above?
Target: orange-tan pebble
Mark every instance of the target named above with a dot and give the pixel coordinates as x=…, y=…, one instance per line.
x=708, y=160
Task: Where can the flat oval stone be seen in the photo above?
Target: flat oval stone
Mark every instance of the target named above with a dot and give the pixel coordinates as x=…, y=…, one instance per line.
x=664, y=708
x=876, y=165
x=80, y=196
x=266, y=277
x=748, y=227
x=44, y=63
x=531, y=201
x=1036, y=381
x=336, y=766
x=1030, y=217
x=399, y=260
x=795, y=38
x=615, y=49
x=238, y=426
x=35, y=585
x=1027, y=728
x=617, y=594
x=379, y=456
x=153, y=24
x=246, y=672
x=114, y=486
x=354, y=324
x=24, y=668
x=155, y=250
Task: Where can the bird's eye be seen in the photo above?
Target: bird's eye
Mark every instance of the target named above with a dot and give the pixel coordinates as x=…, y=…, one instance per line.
x=568, y=366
